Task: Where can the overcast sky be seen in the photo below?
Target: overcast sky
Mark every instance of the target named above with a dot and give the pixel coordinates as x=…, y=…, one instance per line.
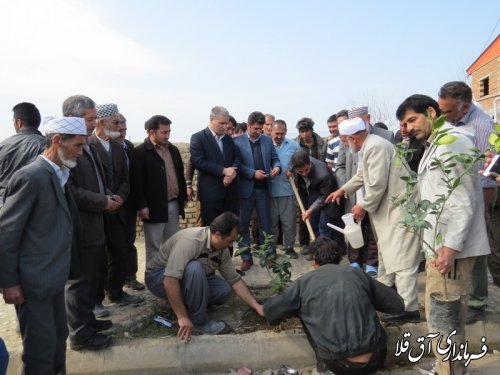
x=289, y=58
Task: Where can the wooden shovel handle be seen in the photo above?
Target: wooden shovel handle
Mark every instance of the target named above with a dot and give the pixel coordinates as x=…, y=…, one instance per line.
x=302, y=209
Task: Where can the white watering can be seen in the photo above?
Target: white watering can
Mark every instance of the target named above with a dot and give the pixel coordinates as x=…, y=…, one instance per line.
x=352, y=231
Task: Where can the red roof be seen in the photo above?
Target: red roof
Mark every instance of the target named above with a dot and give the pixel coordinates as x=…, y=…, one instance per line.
x=489, y=54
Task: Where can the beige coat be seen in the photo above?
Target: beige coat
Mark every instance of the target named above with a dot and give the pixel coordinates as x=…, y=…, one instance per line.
x=462, y=222
x=381, y=180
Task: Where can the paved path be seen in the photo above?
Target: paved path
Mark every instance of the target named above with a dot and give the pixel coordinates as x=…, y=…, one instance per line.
x=128, y=319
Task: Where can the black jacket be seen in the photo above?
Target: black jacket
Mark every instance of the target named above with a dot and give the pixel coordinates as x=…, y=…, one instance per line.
x=321, y=183
x=83, y=182
x=149, y=181
x=210, y=162
x=16, y=152
x=337, y=304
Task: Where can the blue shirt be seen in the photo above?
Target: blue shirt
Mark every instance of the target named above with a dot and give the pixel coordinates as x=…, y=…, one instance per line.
x=280, y=185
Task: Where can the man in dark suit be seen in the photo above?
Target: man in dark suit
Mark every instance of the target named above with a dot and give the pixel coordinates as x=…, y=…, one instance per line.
x=88, y=186
x=215, y=156
x=39, y=225
x=259, y=161
x=158, y=184
x=114, y=165
x=130, y=212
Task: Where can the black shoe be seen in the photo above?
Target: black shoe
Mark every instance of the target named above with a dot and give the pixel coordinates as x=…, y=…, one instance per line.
x=127, y=299
x=405, y=317
x=304, y=249
x=102, y=325
x=240, y=272
x=100, y=311
x=135, y=285
x=96, y=342
x=475, y=315
x=291, y=253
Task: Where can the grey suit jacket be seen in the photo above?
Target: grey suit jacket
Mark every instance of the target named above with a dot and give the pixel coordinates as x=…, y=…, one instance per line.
x=37, y=232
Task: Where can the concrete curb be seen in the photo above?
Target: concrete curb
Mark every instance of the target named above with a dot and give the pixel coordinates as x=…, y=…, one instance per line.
x=211, y=354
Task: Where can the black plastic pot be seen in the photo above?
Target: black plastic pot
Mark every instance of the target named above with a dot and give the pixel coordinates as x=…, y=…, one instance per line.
x=444, y=315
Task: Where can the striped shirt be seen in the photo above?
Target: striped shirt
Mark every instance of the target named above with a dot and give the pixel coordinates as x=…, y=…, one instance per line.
x=332, y=152
x=476, y=122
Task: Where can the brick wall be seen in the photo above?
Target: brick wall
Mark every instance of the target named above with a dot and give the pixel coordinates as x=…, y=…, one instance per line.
x=491, y=70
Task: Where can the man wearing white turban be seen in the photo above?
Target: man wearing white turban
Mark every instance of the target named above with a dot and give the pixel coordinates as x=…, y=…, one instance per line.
x=378, y=179
x=40, y=229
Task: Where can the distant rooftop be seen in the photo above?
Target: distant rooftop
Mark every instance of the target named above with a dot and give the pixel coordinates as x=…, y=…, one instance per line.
x=489, y=54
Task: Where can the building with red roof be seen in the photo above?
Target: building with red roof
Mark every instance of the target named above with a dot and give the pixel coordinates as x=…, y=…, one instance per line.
x=484, y=74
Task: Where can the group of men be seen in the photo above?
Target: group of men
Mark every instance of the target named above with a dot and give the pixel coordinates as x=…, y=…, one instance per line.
x=71, y=198
x=68, y=222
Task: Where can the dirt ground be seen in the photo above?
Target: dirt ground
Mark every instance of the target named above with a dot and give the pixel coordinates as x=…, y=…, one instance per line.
x=237, y=315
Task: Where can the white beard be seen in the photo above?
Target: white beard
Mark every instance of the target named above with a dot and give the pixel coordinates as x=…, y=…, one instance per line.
x=111, y=134
x=352, y=148
x=66, y=162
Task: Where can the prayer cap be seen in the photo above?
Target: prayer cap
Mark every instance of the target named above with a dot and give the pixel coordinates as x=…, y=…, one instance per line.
x=357, y=111
x=64, y=125
x=106, y=110
x=351, y=126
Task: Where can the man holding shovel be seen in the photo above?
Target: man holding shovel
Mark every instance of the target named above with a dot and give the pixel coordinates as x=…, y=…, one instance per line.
x=316, y=178
x=377, y=180
x=461, y=224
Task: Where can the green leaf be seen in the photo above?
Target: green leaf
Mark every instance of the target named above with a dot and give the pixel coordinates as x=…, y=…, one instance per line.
x=446, y=139
x=497, y=128
x=497, y=145
x=436, y=125
x=439, y=239
x=492, y=138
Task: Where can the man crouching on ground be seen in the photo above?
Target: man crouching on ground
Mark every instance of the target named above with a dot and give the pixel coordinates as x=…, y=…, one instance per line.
x=337, y=306
x=183, y=271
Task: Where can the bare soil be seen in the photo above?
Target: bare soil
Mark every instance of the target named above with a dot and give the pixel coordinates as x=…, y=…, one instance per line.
x=237, y=315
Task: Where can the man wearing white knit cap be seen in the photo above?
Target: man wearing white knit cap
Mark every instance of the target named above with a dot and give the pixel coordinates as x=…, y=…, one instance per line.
x=113, y=162
x=88, y=185
x=40, y=231
x=378, y=179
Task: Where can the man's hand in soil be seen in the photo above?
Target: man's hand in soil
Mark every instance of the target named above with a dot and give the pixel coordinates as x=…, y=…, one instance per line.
x=260, y=310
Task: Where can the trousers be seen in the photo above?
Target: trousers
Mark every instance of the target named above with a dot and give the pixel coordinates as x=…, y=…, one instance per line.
x=198, y=290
